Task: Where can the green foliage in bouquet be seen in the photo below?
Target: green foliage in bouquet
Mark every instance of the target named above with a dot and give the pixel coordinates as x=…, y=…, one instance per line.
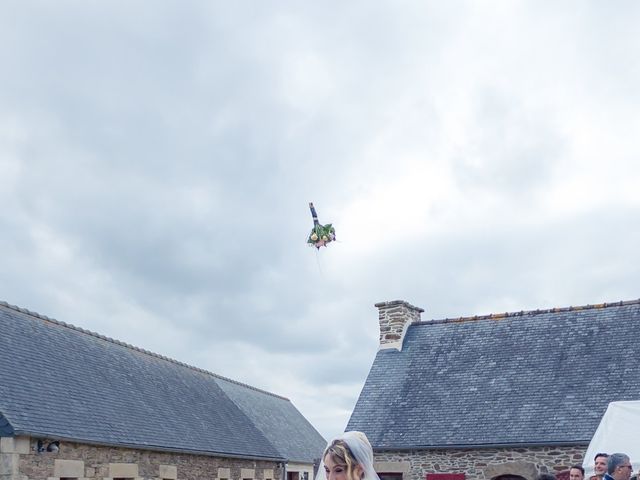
x=321, y=235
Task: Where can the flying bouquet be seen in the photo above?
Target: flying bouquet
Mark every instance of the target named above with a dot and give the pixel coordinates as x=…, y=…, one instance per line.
x=320, y=235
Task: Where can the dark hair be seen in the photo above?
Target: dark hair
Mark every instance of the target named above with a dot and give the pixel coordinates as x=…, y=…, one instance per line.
x=605, y=455
x=578, y=467
x=615, y=460
x=546, y=476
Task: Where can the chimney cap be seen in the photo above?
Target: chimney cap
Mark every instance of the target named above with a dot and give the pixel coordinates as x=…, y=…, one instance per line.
x=393, y=303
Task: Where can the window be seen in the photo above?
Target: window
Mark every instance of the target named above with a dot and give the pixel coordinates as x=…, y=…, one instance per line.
x=390, y=475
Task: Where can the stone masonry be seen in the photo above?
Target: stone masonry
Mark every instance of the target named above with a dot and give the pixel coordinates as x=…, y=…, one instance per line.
x=395, y=317
x=81, y=461
x=481, y=464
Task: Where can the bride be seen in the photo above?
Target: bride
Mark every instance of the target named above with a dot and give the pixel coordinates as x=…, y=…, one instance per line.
x=348, y=457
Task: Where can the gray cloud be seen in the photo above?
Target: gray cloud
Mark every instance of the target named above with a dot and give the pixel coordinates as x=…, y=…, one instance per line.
x=156, y=165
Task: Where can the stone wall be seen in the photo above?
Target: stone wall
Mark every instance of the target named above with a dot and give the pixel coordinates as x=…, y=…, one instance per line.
x=81, y=461
x=480, y=464
x=394, y=318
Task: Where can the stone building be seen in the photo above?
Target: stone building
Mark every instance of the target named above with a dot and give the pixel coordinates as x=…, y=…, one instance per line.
x=497, y=397
x=77, y=405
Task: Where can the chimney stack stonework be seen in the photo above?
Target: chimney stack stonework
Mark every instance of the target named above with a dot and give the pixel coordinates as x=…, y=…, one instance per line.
x=395, y=317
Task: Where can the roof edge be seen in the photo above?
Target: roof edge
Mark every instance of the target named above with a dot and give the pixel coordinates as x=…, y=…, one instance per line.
x=155, y=448
x=481, y=445
x=521, y=313
x=131, y=347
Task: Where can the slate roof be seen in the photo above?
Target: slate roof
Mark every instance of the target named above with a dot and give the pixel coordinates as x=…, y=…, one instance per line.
x=272, y=416
x=540, y=377
x=60, y=381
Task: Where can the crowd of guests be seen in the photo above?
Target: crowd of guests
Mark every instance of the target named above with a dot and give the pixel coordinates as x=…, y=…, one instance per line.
x=616, y=466
x=350, y=457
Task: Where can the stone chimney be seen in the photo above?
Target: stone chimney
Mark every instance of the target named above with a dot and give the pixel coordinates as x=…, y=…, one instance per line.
x=395, y=317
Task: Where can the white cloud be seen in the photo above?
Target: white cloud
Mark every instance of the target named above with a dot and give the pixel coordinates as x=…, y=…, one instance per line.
x=156, y=165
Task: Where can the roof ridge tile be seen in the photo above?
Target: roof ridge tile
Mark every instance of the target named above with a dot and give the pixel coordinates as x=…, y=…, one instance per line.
x=521, y=313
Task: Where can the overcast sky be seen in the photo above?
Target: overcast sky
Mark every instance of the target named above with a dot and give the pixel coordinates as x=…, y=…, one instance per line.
x=157, y=159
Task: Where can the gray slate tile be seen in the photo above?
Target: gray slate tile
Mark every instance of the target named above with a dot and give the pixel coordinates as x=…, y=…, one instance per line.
x=59, y=381
x=532, y=378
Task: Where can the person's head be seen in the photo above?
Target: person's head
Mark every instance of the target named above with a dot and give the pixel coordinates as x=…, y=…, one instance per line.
x=600, y=463
x=576, y=472
x=349, y=457
x=546, y=476
x=619, y=466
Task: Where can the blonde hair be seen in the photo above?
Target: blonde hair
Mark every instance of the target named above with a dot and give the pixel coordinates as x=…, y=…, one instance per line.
x=341, y=454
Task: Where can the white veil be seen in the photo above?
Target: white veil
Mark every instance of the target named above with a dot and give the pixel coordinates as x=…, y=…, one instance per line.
x=359, y=445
